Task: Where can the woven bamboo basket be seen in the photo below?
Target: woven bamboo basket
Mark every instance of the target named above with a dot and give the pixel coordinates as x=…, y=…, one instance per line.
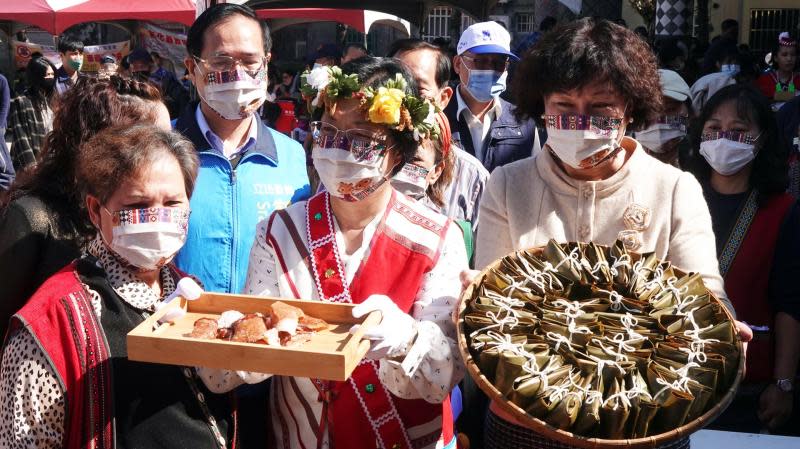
x=548, y=431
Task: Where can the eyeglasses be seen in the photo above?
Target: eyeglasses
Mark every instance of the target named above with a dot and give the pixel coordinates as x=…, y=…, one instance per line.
x=365, y=145
x=491, y=62
x=226, y=63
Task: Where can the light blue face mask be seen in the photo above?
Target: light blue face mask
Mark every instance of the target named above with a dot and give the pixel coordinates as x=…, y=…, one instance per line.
x=485, y=85
x=730, y=69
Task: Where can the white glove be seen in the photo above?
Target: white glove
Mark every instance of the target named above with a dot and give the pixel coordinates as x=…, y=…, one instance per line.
x=393, y=336
x=186, y=288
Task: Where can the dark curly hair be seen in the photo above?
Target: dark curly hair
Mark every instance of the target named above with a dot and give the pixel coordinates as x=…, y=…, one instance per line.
x=586, y=51
x=87, y=108
x=770, y=168
x=374, y=72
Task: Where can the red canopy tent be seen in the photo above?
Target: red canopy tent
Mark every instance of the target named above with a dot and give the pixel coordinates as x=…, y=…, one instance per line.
x=55, y=16
x=411, y=10
x=357, y=19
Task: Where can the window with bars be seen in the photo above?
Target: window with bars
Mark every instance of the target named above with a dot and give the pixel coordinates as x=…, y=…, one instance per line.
x=353, y=36
x=767, y=24
x=438, y=24
x=466, y=21
x=525, y=23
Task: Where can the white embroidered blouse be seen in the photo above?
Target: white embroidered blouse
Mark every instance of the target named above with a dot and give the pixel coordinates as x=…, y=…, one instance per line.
x=432, y=364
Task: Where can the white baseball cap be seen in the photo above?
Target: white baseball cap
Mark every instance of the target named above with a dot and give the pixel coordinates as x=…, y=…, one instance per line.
x=486, y=37
x=673, y=86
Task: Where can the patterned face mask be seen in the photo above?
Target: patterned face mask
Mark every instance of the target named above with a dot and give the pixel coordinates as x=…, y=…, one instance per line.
x=148, y=239
x=578, y=140
x=234, y=94
x=346, y=176
x=728, y=152
x=666, y=129
x=411, y=181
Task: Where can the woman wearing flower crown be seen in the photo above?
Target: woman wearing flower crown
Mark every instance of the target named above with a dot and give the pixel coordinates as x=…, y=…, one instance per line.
x=362, y=242
x=782, y=81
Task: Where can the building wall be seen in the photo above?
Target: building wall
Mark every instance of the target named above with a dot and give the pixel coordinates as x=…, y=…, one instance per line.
x=720, y=10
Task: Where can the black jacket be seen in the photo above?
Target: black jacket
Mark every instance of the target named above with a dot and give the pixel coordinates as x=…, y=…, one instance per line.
x=508, y=139
x=33, y=246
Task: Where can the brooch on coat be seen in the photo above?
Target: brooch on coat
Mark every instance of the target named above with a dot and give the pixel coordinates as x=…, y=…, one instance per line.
x=636, y=219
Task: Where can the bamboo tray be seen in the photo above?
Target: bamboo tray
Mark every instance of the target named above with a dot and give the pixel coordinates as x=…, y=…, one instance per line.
x=330, y=354
x=566, y=437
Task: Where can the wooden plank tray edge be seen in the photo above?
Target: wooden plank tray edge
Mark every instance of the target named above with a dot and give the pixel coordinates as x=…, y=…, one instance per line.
x=146, y=344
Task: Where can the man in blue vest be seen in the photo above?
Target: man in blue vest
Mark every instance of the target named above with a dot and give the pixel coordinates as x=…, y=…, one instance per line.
x=247, y=170
x=481, y=122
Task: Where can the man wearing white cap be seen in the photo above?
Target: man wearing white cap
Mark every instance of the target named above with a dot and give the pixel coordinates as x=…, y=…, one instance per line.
x=664, y=138
x=481, y=122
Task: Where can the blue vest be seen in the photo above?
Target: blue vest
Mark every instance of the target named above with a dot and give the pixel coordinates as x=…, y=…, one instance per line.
x=228, y=202
x=509, y=139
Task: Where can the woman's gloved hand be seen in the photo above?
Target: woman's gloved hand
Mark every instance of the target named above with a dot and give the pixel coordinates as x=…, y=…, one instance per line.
x=394, y=335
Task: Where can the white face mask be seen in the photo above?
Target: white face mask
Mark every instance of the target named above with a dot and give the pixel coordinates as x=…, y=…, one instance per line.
x=654, y=137
x=147, y=239
x=575, y=138
x=412, y=181
x=234, y=94
x=344, y=176
x=727, y=156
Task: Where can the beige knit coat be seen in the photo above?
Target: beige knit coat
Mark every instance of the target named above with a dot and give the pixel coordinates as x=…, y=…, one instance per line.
x=530, y=201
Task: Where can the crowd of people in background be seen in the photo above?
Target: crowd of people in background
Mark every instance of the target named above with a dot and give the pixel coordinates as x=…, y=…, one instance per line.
x=565, y=136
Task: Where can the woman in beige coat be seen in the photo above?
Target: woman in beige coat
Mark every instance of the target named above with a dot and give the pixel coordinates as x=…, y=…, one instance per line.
x=590, y=81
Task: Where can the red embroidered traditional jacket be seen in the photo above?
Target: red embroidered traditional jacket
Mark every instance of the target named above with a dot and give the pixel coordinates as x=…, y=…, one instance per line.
x=359, y=413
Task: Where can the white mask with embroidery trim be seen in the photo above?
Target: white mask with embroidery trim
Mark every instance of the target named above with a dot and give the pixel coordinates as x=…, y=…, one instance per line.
x=234, y=94
x=575, y=138
x=412, y=181
x=147, y=239
x=726, y=156
x=654, y=137
x=345, y=176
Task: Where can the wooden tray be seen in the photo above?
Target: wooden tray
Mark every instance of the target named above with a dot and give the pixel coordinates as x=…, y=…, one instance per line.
x=567, y=437
x=331, y=354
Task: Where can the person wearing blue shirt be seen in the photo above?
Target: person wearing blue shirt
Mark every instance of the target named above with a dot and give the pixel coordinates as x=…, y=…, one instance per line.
x=247, y=170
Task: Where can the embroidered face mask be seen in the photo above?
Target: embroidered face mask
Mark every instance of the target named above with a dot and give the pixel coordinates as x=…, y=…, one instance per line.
x=728, y=152
x=346, y=177
x=577, y=138
x=234, y=94
x=411, y=181
x=666, y=129
x=148, y=239
x=348, y=161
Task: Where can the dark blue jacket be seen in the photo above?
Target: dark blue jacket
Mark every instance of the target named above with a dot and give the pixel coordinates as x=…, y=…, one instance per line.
x=229, y=201
x=508, y=140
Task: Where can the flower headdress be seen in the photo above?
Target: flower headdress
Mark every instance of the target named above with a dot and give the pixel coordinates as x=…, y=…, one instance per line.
x=389, y=104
